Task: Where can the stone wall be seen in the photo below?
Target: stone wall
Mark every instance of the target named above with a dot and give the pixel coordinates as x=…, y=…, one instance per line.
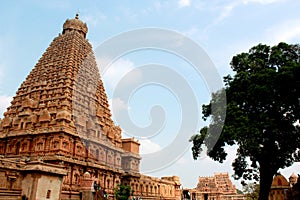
x=148, y=187
x=10, y=181
x=39, y=186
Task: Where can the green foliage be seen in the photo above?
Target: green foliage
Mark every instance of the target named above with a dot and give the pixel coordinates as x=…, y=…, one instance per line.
x=251, y=191
x=239, y=191
x=122, y=192
x=262, y=114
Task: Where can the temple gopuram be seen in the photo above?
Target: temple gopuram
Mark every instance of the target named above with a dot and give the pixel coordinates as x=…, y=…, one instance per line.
x=216, y=187
x=57, y=138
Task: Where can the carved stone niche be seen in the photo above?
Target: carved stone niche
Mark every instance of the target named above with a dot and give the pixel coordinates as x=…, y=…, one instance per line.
x=55, y=144
x=11, y=178
x=118, y=131
x=13, y=182
x=2, y=148
x=90, y=125
x=118, y=159
x=3, y=180
x=45, y=116
x=52, y=104
x=65, y=104
x=6, y=122
x=80, y=150
x=16, y=121
x=66, y=144
x=102, y=155
x=63, y=115
x=33, y=119
x=24, y=146
x=39, y=145
x=76, y=176
x=99, y=112
x=29, y=103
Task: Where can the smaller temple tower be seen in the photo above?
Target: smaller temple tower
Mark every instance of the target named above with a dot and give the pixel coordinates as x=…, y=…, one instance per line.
x=293, y=179
x=217, y=187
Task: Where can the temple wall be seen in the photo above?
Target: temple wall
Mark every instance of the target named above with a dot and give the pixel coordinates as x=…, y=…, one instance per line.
x=10, y=182
x=38, y=186
x=148, y=187
x=49, y=187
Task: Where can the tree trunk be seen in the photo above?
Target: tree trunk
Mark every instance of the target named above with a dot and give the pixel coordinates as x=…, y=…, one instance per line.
x=266, y=178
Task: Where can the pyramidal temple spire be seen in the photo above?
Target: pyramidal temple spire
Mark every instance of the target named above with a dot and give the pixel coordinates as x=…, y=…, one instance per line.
x=63, y=90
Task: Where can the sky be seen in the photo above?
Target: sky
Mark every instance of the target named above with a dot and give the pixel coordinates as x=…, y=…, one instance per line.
x=163, y=89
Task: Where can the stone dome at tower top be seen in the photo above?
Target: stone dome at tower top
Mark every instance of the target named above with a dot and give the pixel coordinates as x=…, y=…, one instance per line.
x=75, y=24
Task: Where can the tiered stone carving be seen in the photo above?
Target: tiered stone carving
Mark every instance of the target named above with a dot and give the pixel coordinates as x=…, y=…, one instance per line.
x=60, y=112
x=60, y=115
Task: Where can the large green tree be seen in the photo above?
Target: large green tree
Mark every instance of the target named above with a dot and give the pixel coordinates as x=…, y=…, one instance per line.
x=262, y=114
x=122, y=192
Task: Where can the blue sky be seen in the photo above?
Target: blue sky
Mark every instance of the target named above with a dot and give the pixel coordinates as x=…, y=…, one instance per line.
x=221, y=28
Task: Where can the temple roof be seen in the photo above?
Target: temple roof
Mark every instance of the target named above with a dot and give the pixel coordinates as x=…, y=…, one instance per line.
x=279, y=181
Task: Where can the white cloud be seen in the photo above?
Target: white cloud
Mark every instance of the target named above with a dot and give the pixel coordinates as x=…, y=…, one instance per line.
x=147, y=146
x=287, y=31
x=262, y=1
x=116, y=105
x=113, y=75
x=157, y=5
x=192, y=32
x=128, y=14
x=184, y=3
x=287, y=172
x=93, y=19
x=226, y=11
x=4, y=103
x=182, y=161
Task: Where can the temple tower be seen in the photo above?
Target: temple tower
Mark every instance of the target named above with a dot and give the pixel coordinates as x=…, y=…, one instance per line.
x=60, y=115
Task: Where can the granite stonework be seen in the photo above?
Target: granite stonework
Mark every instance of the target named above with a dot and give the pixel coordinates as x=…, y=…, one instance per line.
x=59, y=127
